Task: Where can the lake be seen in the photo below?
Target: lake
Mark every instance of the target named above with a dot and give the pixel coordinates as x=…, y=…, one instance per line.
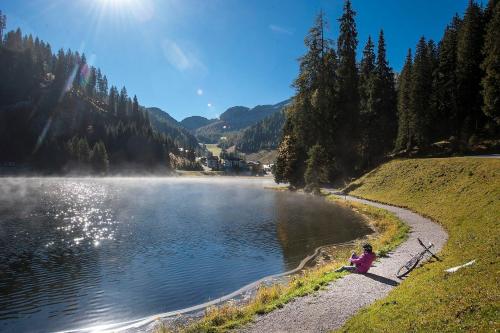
x=78, y=252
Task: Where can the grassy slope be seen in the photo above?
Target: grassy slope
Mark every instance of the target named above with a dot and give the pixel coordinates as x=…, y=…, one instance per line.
x=390, y=233
x=463, y=194
x=264, y=156
x=214, y=149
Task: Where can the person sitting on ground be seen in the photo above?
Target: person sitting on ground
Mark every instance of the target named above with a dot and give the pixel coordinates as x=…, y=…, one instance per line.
x=360, y=264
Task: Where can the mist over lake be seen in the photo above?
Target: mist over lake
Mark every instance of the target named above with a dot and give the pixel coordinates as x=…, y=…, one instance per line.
x=80, y=252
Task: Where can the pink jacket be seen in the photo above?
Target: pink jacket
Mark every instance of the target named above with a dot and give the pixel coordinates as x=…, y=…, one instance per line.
x=364, y=262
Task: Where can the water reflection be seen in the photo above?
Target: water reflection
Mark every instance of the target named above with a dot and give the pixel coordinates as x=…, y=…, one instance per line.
x=326, y=224
x=81, y=252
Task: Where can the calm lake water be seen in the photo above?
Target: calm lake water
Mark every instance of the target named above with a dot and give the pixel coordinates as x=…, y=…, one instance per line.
x=85, y=252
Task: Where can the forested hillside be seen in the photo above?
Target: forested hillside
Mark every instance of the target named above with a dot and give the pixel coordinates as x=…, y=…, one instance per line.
x=231, y=123
x=162, y=122
x=194, y=122
x=346, y=116
x=266, y=134
x=58, y=114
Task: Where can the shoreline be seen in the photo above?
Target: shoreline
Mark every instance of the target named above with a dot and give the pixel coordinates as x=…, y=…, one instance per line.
x=331, y=308
x=193, y=310
x=239, y=296
x=168, y=326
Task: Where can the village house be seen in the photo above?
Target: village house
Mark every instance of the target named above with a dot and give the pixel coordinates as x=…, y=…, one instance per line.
x=233, y=163
x=213, y=162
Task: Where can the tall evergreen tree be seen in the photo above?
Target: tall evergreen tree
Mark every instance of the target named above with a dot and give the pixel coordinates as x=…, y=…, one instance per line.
x=99, y=158
x=367, y=68
x=113, y=100
x=122, y=104
x=136, y=114
x=99, y=85
x=309, y=116
x=445, y=81
x=91, y=82
x=404, y=136
x=491, y=66
x=385, y=97
x=317, y=168
x=433, y=110
x=469, y=58
x=377, y=105
x=420, y=96
x=367, y=111
x=83, y=151
x=348, y=95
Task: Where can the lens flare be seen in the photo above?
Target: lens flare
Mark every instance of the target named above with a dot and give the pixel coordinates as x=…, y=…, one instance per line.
x=142, y=10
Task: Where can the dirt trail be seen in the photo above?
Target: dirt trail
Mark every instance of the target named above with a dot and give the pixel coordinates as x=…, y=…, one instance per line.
x=330, y=308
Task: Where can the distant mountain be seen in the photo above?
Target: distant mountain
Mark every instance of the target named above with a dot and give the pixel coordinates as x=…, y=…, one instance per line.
x=234, y=120
x=239, y=117
x=164, y=123
x=265, y=134
x=194, y=122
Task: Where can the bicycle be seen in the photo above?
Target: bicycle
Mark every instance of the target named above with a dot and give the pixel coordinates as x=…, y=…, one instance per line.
x=413, y=262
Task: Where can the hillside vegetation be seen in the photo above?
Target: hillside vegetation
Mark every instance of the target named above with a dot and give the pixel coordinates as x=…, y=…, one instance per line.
x=162, y=122
x=265, y=134
x=194, y=122
x=463, y=194
x=351, y=110
x=58, y=115
x=233, y=121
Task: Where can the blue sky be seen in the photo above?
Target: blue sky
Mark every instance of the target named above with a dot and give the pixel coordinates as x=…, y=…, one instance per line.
x=199, y=57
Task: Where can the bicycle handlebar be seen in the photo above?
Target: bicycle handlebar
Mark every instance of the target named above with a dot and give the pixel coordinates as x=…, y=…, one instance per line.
x=422, y=243
x=427, y=248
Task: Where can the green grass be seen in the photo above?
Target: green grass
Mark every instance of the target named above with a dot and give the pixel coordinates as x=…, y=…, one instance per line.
x=463, y=194
x=214, y=149
x=390, y=233
x=264, y=156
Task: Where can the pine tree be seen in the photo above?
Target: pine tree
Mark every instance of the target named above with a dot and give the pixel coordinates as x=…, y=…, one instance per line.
x=99, y=85
x=136, y=114
x=420, y=96
x=311, y=107
x=385, y=97
x=445, y=81
x=367, y=115
x=378, y=123
x=104, y=87
x=317, y=169
x=288, y=167
x=99, y=158
x=433, y=114
x=491, y=67
x=91, y=82
x=469, y=58
x=348, y=97
x=367, y=68
x=113, y=101
x=122, y=104
x=83, y=151
x=403, y=139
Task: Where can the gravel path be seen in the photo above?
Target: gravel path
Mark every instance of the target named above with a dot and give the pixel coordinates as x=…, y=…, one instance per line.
x=330, y=308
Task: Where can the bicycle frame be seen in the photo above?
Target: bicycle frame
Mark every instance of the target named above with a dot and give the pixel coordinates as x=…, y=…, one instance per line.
x=412, y=263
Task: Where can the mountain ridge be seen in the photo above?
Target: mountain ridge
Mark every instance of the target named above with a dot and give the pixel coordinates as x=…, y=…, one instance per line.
x=231, y=122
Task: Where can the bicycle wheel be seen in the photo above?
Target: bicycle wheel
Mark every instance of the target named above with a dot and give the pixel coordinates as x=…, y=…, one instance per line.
x=405, y=269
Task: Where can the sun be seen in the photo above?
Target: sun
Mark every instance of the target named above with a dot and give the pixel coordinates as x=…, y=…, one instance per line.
x=116, y=4
x=123, y=10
